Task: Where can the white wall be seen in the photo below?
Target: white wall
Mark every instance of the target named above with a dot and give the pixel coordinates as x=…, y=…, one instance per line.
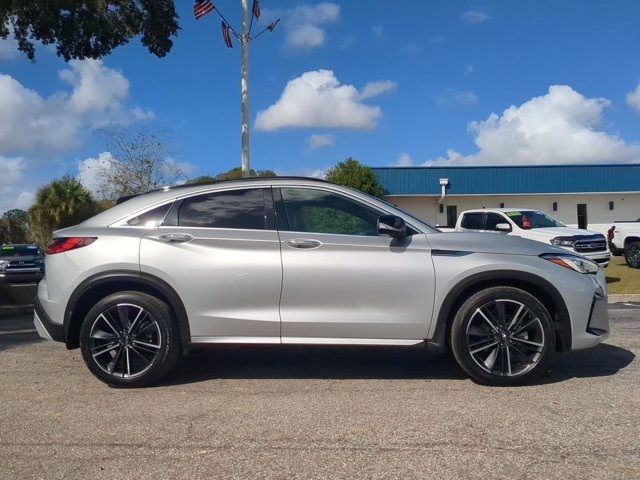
x=599, y=217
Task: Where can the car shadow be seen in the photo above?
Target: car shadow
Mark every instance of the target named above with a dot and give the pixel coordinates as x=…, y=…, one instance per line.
x=388, y=363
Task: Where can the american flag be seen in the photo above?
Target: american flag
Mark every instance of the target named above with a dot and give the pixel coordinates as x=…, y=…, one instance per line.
x=255, y=9
x=226, y=35
x=202, y=7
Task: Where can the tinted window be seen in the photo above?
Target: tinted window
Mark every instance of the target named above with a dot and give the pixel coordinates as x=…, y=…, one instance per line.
x=232, y=209
x=472, y=221
x=316, y=211
x=152, y=218
x=533, y=219
x=492, y=220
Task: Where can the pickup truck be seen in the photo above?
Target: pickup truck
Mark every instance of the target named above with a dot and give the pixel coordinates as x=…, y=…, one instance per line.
x=20, y=263
x=538, y=226
x=624, y=239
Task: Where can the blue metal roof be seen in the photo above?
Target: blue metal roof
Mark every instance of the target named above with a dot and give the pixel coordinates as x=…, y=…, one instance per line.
x=496, y=180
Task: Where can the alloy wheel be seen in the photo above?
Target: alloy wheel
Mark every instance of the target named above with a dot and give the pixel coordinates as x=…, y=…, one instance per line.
x=505, y=338
x=125, y=340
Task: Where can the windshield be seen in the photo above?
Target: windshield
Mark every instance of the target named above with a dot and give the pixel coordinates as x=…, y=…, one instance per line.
x=16, y=250
x=528, y=219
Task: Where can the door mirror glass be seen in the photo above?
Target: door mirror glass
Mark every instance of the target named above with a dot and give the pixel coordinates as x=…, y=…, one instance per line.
x=392, y=225
x=503, y=227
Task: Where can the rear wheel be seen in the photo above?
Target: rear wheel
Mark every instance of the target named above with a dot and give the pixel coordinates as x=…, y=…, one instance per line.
x=632, y=255
x=502, y=336
x=129, y=339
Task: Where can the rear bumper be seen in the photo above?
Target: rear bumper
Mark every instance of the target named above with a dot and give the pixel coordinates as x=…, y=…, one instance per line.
x=46, y=328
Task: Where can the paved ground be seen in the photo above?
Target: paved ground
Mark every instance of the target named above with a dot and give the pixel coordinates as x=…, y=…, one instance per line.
x=319, y=413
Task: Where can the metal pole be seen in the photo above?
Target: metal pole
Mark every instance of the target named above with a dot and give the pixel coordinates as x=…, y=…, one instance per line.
x=244, y=88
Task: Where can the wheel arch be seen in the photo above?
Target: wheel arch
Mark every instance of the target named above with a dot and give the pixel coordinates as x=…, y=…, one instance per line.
x=537, y=286
x=629, y=240
x=102, y=284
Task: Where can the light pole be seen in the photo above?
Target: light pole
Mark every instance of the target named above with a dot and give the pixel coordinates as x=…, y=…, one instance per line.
x=204, y=7
x=244, y=88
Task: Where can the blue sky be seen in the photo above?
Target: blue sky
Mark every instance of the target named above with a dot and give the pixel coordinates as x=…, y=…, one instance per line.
x=450, y=82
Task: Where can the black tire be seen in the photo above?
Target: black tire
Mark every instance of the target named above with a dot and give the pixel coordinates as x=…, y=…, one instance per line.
x=517, y=357
x=632, y=255
x=158, y=339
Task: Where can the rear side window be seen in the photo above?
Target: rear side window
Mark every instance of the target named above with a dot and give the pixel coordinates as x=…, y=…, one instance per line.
x=230, y=209
x=151, y=219
x=472, y=221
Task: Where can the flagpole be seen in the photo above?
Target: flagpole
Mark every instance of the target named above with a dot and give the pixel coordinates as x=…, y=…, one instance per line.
x=244, y=88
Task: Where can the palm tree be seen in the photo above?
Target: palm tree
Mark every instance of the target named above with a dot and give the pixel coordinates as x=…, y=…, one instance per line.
x=62, y=203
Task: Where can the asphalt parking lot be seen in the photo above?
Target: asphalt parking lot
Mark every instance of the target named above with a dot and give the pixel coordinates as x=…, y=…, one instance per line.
x=319, y=413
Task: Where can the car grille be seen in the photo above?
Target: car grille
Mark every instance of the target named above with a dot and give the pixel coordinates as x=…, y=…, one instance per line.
x=590, y=244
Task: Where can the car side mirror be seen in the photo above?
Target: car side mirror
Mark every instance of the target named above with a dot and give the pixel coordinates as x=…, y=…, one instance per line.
x=503, y=227
x=392, y=225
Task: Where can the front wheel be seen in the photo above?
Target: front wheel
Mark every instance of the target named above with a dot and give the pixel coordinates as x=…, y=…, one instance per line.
x=129, y=339
x=632, y=255
x=502, y=336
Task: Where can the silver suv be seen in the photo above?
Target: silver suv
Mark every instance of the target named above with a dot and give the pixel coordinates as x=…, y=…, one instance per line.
x=302, y=261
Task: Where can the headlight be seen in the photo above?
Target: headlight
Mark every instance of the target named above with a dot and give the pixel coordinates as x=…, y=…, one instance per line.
x=563, y=241
x=3, y=264
x=573, y=262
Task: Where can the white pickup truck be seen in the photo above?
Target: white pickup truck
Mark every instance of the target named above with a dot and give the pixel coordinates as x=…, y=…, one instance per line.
x=624, y=239
x=538, y=226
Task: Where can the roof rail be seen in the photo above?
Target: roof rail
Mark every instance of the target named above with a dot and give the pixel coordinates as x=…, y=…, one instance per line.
x=216, y=182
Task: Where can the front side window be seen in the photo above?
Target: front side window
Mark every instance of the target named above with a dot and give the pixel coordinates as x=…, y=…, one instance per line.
x=472, y=221
x=492, y=220
x=230, y=209
x=317, y=211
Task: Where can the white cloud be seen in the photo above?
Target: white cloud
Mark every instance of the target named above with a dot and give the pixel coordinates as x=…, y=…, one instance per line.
x=12, y=184
x=475, y=17
x=468, y=70
x=633, y=98
x=373, y=89
x=316, y=140
x=317, y=99
x=304, y=25
x=560, y=127
x=404, y=160
x=457, y=98
x=89, y=170
x=30, y=122
x=378, y=31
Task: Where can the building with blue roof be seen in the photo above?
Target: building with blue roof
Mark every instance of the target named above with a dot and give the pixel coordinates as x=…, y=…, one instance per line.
x=585, y=196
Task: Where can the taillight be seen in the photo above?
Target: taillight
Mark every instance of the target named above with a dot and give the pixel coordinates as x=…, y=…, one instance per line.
x=64, y=244
x=610, y=233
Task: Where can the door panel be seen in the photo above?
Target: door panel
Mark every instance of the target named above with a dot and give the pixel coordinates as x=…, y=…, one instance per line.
x=356, y=287
x=228, y=280
x=221, y=253
x=348, y=282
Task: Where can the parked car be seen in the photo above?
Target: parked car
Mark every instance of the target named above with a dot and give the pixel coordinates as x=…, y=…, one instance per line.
x=538, y=226
x=20, y=263
x=302, y=261
x=624, y=239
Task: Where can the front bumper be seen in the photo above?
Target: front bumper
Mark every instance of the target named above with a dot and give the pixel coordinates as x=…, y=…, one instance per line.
x=21, y=277
x=46, y=328
x=592, y=326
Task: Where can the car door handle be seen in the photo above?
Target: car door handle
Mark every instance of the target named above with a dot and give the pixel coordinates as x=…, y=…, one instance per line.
x=303, y=243
x=175, y=237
